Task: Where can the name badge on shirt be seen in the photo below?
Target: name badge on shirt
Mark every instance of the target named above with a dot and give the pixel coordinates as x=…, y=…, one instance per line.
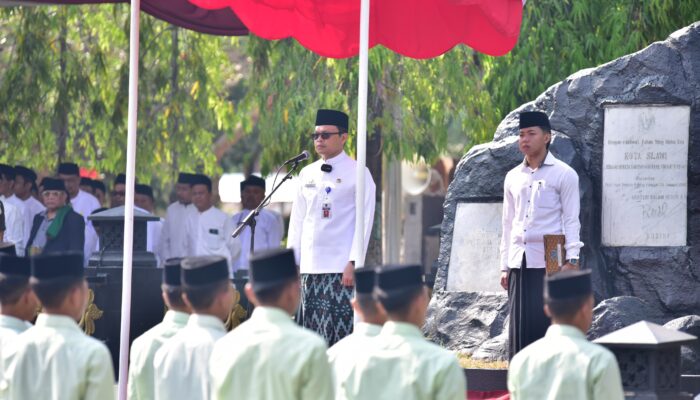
x=326, y=204
x=310, y=184
x=214, y=231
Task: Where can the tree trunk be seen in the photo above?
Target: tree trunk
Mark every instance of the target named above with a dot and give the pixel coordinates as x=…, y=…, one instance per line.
x=174, y=89
x=61, y=108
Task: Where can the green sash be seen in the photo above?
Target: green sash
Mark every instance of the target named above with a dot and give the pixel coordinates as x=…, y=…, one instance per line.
x=57, y=222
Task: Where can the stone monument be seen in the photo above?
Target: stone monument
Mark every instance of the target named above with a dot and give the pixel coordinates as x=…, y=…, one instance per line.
x=631, y=130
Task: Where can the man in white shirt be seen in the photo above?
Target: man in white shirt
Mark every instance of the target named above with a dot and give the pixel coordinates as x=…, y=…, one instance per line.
x=173, y=233
x=371, y=315
x=181, y=364
x=205, y=234
x=82, y=202
x=143, y=199
x=18, y=306
x=100, y=191
x=118, y=194
x=25, y=179
x=541, y=197
x=7, y=195
x=268, y=224
x=322, y=230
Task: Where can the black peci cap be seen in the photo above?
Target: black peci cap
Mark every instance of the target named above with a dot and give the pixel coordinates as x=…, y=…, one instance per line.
x=13, y=265
x=7, y=171
x=186, y=178
x=365, y=279
x=203, y=270
x=53, y=184
x=398, y=279
x=568, y=285
x=200, y=179
x=68, y=169
x=26, y=173
x=332, y=117
x=172, y=269
x=99, y=185
x=121, y=178
x=144, y=190
x=253, y=180
x=58, y=265
x=85, y=181
x=534, y=118
x=270, y=268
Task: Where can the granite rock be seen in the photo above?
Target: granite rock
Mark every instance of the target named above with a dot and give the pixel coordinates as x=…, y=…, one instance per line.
x=666, y=279
x=690, y=354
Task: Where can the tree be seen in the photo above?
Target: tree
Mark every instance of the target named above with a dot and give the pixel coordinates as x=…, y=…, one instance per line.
x=560, y=37
x=64, y=91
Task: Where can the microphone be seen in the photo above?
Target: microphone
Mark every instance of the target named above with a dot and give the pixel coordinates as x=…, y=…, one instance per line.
x=304, y=155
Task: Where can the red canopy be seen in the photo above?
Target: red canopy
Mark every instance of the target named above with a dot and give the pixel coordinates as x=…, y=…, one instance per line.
x=413, y=28
x=180, y=13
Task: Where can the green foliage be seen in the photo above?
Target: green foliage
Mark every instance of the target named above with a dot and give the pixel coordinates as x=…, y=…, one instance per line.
x=411, y=102
x=64, y=91
x=560, y=37
x=416, y=105
x=64, y=76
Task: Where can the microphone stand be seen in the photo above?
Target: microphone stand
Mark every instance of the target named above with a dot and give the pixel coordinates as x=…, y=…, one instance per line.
x=249, y=220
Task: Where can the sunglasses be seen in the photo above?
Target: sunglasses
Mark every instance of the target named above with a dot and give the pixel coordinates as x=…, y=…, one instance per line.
x=323, y=135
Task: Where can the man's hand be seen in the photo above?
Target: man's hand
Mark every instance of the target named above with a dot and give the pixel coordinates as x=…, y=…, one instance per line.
x=504, y=280
x=568, y=267
x=349, y=275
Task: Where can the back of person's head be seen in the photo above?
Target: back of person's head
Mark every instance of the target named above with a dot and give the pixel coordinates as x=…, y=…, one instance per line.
x=14, y=278
x=273, y=274
x=566, y=293
x=55, y=276
x=203, y=280
x=172, y=285
x=397, y=289
x=364, y=302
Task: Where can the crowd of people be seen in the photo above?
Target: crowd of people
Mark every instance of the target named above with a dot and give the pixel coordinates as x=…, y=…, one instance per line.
x=52, y=216
x=301, y=341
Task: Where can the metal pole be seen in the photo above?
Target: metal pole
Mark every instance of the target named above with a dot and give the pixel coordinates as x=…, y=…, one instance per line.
x=129, y=204
x=362, y=135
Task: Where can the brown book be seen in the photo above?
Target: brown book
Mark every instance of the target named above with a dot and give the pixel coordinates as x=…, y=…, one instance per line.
x=554, y=253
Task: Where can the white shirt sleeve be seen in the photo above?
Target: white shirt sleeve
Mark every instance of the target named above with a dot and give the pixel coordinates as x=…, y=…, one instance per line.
x=275, y=231
x=296, y=220
x=14, y=222
x=358, y=252
x=164, y=241
x=233, y=244
x=506, y=223
x=570, y=208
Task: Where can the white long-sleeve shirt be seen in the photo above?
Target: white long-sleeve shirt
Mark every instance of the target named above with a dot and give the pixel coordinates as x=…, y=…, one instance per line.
x=172, y=235
x=206, y=235
x=538, y=202
x=268, y=234
x=84, y=204
x=181, y=364
x=326, y=245
x=24, y=214
x=33, y=207
x=14, y=224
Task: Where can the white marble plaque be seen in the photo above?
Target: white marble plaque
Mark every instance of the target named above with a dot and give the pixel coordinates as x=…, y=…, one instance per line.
x=645, y=175
x=474, y=258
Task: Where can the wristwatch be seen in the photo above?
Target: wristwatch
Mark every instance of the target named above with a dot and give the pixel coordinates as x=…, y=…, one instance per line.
x=573, y=261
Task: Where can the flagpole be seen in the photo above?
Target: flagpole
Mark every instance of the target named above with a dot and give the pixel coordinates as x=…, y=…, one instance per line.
x=129, y=204
x=361, y=135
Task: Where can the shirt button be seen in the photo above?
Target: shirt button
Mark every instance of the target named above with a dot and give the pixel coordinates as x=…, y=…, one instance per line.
x=524, y=242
